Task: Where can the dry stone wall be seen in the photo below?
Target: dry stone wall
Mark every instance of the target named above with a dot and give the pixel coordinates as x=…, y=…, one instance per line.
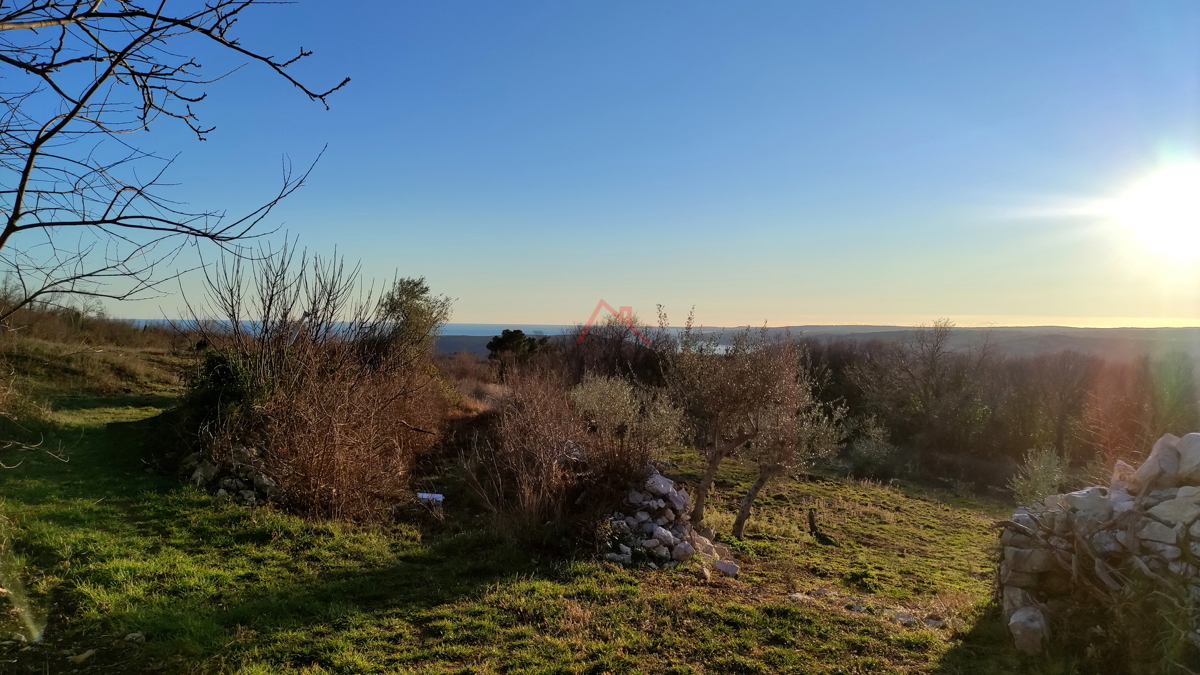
x=1087, y=547
x=654, y=527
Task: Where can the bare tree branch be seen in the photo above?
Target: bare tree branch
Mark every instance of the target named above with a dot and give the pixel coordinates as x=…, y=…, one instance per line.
x=75, y=197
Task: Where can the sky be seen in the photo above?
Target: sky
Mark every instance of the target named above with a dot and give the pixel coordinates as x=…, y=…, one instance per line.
x=782, y=162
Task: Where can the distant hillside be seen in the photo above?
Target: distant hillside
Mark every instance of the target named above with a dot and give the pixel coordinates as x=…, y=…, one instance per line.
x=1114, y=343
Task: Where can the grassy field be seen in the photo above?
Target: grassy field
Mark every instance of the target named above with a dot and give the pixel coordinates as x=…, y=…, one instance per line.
x=106, y=549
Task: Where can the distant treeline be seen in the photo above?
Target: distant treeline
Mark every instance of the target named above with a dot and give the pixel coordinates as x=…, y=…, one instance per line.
x=921, y=407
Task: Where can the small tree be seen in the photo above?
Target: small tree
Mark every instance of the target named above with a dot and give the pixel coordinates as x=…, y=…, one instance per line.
x=726, y=393
x=794, y=430
x=515, y=343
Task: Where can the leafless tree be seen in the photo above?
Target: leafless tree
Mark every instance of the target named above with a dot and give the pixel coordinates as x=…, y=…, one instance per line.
x=83, y=209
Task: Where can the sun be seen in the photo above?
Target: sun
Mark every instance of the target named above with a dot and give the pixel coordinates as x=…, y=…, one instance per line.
x=1162, y=211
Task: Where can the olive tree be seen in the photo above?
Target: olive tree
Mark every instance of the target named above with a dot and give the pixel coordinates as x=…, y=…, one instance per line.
x=727, y=393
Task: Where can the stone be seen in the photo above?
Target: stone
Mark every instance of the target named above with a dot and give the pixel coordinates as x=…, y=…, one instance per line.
x=707, y=533
x=906, y=619
x=682, y=551
x=703, y=574
x=631, y=522
x=1161, y=468
x=244, y=455
x=205, y=473
x=648, y=527
x=650, y=544
x=662, y=551
x=726, y=567
x=856, y=608
x=635, y=497
x=1189, y=492
x=135, y=637
x=265, y=484
x=1122, y=473
x=1013, y=538
x=659, y=485
x=1155, y=531
x=1090, y=502
x=1194, y=547
x=1105, y=543
x=1029, y=629
x=1019, y=579
x=822, y=592
x=1189, y=458
x=619, y=526
x=622, y=558
x=1181, y=569
x=679, y=499
x=664, y=536
x=248, y=496
x=625, y=549
x=1177, y=510
x=1166, y=551
x=1194, y=530
x=1014, y=598
x=799, y=597
x=934, y=622
x=641, y=516
x=1029, y=560
x=222, y=494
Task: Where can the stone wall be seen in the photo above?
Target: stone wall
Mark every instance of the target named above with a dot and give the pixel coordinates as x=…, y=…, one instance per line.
x=654, y=527
x=1087, y=547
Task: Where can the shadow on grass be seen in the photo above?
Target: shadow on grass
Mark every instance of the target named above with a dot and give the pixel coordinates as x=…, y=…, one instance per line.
x=77, y=403
x=207, y=581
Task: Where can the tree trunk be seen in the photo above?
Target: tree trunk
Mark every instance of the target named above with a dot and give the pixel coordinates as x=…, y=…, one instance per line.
x=714, y=462
x=765, y=474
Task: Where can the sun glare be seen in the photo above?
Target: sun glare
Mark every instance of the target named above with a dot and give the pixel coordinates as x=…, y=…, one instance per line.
x=1163, y=211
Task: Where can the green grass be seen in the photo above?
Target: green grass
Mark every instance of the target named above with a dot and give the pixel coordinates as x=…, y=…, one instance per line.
x=108, y=549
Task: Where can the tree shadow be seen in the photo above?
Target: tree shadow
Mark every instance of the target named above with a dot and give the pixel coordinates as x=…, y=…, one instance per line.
x=77, y=403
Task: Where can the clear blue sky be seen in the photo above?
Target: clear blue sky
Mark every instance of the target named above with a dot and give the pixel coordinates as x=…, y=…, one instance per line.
x=790, y=162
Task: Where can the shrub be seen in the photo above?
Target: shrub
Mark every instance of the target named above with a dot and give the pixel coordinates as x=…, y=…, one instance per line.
x=338, y=394
x=557, y=459
x=1040, y=476
x=870, y=455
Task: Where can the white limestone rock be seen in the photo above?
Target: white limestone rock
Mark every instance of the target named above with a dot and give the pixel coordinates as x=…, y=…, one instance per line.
x=682, y=551
x=1184, y=511
x=727, y=567
x=659, y=485
x=1090, y=502
x=1189, y=459
x=1166, y=551
x=1029, y=629
x=1029, y=560
x=650, y=544
x=1161, y=468
x=1155, y=531
x=679, y=499
x=664, y=536
x=1014, y=599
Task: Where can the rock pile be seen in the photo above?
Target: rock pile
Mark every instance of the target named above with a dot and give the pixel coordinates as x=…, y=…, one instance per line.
x=653, y=526
x=241, y=478
x=1070, y=549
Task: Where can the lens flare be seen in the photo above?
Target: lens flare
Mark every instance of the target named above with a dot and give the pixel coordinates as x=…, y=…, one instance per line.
x=1162, y=211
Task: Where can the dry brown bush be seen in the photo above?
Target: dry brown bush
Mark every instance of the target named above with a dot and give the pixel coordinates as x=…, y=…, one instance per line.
x=560, y=457
x=335, y=387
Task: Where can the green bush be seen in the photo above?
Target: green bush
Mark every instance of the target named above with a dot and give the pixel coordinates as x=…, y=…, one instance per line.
x=1040, y=476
